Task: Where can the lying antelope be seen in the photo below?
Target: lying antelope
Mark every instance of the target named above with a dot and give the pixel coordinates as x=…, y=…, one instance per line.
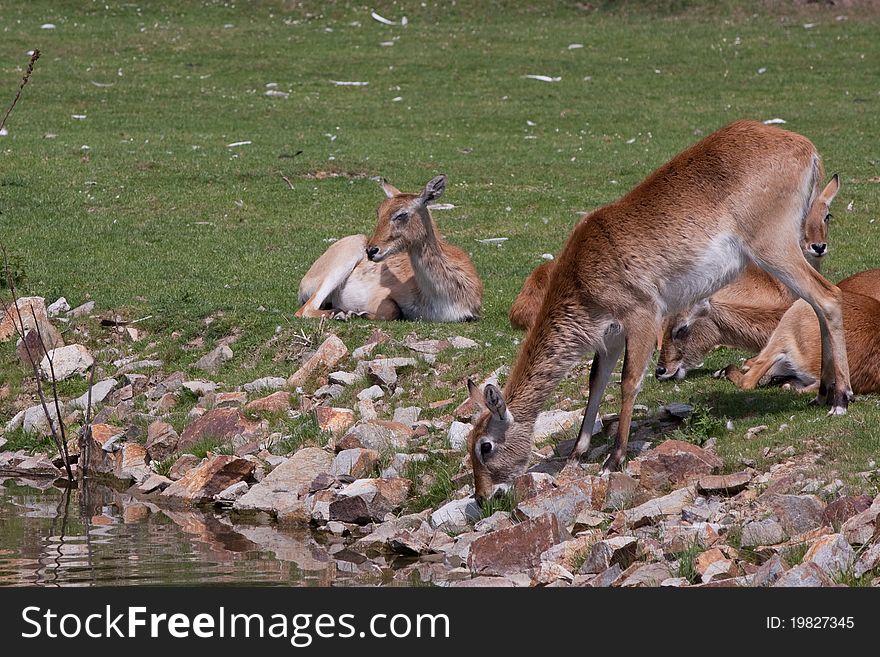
x=793, y=352
x=743, y=314
x=406, y=270
x=740, y=195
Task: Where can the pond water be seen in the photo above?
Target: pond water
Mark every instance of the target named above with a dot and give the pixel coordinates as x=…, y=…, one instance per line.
x=95, y=535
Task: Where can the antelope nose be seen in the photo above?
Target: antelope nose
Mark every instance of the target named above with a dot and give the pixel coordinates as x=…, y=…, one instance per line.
x=372, y=251
x=819, y=249
x=660, y=371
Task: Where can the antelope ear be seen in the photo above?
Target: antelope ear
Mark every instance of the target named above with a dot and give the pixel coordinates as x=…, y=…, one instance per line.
x=495, y=402
x=434, y=189
x=701, y=308
x=830, y=190
x=476, y=394
x=390, y=190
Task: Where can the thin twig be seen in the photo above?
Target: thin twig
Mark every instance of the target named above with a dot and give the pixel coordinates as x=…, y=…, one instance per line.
x=287, y=180
x=24, y=80
x=85, y=445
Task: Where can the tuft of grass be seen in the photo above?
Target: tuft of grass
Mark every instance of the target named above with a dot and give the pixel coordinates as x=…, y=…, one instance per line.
x=210, y=444
x=687, y=562
x=700, y=426
x=31, y=443
x=505, y=502
x=163, y=467
x=795, y=554
x=299, y=432
x=432, y=481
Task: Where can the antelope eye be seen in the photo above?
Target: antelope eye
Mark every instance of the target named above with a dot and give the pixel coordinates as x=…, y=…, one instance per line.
x=828, y=217
x=680, y=332
x=485, y=448
x=400, y=216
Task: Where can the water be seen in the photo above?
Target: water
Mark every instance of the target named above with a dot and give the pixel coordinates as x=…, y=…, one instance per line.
x=95, y=535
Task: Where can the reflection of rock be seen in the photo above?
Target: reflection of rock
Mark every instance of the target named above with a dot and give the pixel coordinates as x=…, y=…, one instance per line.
x=294, y=546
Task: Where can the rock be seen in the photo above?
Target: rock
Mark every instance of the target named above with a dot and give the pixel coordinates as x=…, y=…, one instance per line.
x=368, y=500
x=154, y=483
x=82, y=310
x=381, y=435
x=27, y=307
x=165, y=404
x=652, y=510
x=754, y=431
x=367, y=410
x=223, y=424
x=100, y=391
x=868, y=560
x=276, y=503
x=552, y=423
x=212, y=361
x=230, y=494
x=796, y=513
x=36, y=342
x=515, y=549
x=67, y=361
x=265, y=383
x=334, y=420
x=38, y=465
x=649, y=574
x=606, y=578
x=333, y=391
x=713, y=564
x=34, y=419
x=430, y=347
x=675, y=462
x=459, y=342
x=354, y=462
x=832, y=554
x=862, y=527
x=199, y=388
x=132, y=463
x=565, y=502
x=619, y=550
x=331, y=351
x=58, y=307
x=139, y=365
x=762, y=532
x=621, y=492
x=277, y=402
x=769, y=572
x=806, y=574
x=532, y=484
x=212, y=476
x=297, y=472
x=183, y=465
x=458, y=434
x=382, y=373
x=841, y=510
x=729, y=484
x=407, y=415
x=371, y=393
x=342, y=378
x=498, y=520
x=484, y=581
x=413, y=542
x=456, y=516
x=162, y=440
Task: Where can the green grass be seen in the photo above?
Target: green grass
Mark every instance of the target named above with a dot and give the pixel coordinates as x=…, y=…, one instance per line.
x=30, y=442
x=213, y=445
x=687, y=562
x=159, y=217
x=505, y=502
x=432, y=481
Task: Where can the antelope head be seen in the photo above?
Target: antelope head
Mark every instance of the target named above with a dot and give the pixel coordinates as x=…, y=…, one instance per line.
x=404, y=219
x=498, y=445
x=686, y=337
x=815, y=239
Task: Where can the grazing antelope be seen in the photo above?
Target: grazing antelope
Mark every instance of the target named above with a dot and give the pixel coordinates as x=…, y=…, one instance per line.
x=743, y=314
x=793, y=352
x=406, y=270
x=739, y=195
x=527, y=304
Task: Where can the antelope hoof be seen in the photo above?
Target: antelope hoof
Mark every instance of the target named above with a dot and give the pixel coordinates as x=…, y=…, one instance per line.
x=346, y=315
x=611, y=464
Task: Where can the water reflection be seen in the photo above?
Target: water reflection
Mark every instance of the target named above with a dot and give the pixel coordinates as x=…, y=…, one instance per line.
x=95, y=535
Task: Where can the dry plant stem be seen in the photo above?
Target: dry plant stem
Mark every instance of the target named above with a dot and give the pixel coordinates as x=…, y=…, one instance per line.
x=24, y=80
x=85, y=445
x=19, y=330
x=287, y=180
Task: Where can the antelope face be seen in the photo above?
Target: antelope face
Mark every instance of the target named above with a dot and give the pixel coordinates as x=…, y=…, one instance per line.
x=403, y=220
x=815, y=239
x=685, y=335
x=498, y=445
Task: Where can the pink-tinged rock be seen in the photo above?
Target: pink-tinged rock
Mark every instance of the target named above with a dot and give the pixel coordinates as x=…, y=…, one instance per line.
x=619, y=550
x=183, y=465
x=277, y=402
x=565, y=502
x=368, y=500
x=212, y=476
x=796, y=513
x=805, y=575
x=841, y=510
x=355, y=462
x=334, y=420
x=568, y=553
x=297, y=472
x=729, y=484
x=230, y=399
x=72, y=360
x=331, y=351
x=38, y=465
x=654, y=509
x=28, y=307
x=768, y=531
x=165, y=404
x=862, y=527
x=769, y=572
x=869, y=560
x=713, y=564
x=381, y=435
x=516, y=549
x=531, y=484
x=621, y=492
x=132, y=463
x=154, y=483
x=832, y=554
x=161, y=440
x=675, y=462
x=37, y=342
x=222, y=424
x=649, y=574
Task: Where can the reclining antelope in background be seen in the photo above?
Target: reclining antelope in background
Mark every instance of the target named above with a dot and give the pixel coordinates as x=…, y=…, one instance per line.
x=406, y=270
x=743, y=314
x=794, y=350
x=740, y=195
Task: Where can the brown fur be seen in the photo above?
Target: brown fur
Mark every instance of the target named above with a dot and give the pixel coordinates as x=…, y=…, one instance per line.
x=406, y=270
x=739, y=195
x=527, y=304
x=794, y=350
